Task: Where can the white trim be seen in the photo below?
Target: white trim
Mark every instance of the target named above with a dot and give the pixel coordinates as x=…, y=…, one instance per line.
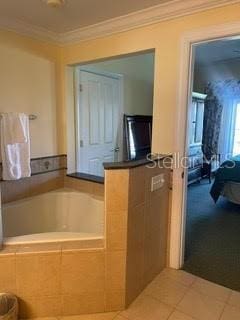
x=177, y=228
x=76, y=114
x=162, y=12
x=100, y=72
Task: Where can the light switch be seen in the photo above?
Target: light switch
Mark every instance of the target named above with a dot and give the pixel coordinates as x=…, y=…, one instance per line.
x=157, y=182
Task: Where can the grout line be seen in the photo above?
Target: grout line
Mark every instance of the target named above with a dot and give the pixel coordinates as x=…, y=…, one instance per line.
x=224, y=307
x=184, y=295
x=158, y=300
x=124, y=317
x=119, y=314
x=194, y=281
x=15, y=272
x=229, y=296
x=171, y=313
x=60, y=285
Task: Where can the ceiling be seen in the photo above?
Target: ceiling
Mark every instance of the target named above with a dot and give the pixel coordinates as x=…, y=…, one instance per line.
x=73, y=15
x=216, y=51
x=80, y=20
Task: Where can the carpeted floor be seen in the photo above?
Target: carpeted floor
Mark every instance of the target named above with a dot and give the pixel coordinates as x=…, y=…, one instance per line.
x=212, y=237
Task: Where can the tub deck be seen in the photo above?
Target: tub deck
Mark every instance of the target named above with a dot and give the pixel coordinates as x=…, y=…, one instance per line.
x=51, y=237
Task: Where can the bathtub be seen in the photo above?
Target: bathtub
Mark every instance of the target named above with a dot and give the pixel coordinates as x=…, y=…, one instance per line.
x=61, y=215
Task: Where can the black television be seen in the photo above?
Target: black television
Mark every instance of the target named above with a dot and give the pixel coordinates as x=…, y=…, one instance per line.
x=138, y=136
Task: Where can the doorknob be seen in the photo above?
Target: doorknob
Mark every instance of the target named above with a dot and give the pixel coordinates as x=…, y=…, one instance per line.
x=115, y=149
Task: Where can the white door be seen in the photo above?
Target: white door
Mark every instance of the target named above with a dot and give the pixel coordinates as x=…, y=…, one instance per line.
x=100, y=118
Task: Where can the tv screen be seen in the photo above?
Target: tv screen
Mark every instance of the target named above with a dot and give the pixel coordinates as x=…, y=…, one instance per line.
x=138, y=133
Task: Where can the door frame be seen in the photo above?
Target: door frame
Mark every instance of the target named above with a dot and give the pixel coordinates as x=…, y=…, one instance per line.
x=117, y=76
x=178, y=212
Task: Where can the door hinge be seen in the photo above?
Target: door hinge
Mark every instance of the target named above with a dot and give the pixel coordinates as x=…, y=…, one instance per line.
x=81, y=143
x=80, y=87
x=183, y=175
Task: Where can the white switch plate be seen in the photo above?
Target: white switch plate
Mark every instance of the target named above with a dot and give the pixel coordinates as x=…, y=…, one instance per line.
x=157, y=182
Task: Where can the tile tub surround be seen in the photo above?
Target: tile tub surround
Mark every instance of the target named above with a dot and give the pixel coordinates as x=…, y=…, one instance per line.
x=41, y=182
x=136, y=231
x=47, y=175
x=54, y=279
x=46, y=164
x=68, y=279
x=85, y=186
x=32, y=186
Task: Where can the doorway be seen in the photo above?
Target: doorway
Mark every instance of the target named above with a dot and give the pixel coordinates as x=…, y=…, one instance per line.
x=212, y=238
x=100, y=106
x=107, y=94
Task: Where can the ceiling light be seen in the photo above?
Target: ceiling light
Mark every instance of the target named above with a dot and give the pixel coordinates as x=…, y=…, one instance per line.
x=55, y=3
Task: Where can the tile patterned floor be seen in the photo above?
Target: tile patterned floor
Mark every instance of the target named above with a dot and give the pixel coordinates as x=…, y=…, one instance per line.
x=177, y=295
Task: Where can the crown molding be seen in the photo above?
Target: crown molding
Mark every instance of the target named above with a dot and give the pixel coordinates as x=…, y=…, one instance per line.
x=29, y=30
x=161, y=12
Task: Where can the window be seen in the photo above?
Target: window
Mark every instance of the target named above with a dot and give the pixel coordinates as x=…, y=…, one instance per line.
x=236, y=140
x=197, y=113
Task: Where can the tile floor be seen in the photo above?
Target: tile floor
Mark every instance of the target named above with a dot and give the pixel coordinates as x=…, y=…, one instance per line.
x=177, y=295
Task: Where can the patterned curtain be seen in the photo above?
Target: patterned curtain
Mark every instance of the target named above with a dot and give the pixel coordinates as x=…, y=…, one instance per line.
x=211, y=123
x=217, y=92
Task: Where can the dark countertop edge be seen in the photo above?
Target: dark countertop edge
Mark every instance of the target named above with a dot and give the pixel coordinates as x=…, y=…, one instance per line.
x=87, y=177
x=134, y=163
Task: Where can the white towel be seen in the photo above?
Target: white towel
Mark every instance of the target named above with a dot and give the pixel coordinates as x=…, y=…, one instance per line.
x=16, y=155
x=13, y=125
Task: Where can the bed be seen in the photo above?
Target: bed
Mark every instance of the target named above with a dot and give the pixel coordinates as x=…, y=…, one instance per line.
x=227, y=181
x=231, y=191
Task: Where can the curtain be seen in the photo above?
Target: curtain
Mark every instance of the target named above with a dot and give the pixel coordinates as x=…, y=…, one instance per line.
x=211, y=123
x=226, y=138
x=219, y=118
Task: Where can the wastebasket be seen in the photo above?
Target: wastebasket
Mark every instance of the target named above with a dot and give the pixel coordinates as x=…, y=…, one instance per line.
x=8, y=307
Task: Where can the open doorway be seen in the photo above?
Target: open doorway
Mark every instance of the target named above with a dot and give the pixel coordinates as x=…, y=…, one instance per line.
x=113, y=97
x=212, y=237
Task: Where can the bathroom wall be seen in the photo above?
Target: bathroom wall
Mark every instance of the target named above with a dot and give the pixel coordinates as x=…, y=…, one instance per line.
x=27, y=83
x=148, y=219
x=136, y=231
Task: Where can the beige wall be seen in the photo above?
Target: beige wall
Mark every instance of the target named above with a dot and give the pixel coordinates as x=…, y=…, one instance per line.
x=218, y=71
x=138, y=75
x=28, y=84
x=165, y=38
